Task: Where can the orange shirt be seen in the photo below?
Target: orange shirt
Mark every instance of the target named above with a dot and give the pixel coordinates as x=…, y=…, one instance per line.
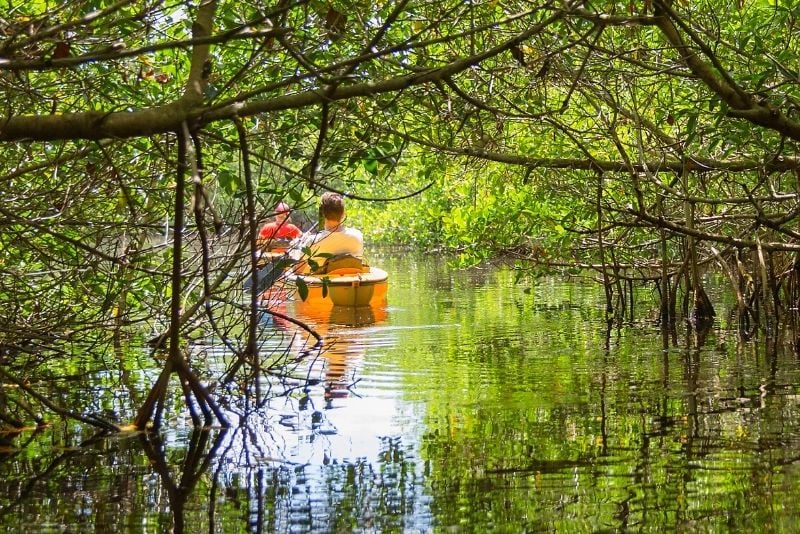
x=276, y=230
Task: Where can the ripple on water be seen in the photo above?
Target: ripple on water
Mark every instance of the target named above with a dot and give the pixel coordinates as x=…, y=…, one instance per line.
x=470, y=406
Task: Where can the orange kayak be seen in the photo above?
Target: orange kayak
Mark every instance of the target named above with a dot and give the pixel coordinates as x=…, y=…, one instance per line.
x=342, y=287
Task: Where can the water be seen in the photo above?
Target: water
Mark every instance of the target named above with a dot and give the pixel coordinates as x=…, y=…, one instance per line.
x=467, y=405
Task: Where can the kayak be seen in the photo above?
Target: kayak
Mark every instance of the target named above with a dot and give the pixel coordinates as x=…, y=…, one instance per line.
x=265, y=258
x=342, y=287
x=324, y=314
x=276, y=249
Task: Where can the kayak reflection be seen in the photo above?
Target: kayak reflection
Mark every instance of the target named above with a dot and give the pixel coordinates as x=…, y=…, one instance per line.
x=344, y=335
x=324, y=315
x=345, y=331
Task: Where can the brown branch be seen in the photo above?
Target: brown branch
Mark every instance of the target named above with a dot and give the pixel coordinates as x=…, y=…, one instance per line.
x=697, y=163
x=251, y=350
x=716, y=78
x=294, y=321
x=168, y=117
x=59, y=28
x=240, y=33
x=661, y=222
x=94, y=421
x=726, y=86
x=199, y=70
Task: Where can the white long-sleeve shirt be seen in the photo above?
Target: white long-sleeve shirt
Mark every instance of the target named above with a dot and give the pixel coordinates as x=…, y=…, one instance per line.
x=340, y=241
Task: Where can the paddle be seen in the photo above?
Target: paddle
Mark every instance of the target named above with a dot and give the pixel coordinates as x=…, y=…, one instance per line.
x=266, y=277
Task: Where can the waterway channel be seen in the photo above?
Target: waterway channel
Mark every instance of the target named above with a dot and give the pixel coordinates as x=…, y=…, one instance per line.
x=468, y=404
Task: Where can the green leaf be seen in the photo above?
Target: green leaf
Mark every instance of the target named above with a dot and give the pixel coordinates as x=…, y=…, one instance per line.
x=691, y=127
x=302, y=289
x=371, y=166
x=229, y=181
x=296, y=196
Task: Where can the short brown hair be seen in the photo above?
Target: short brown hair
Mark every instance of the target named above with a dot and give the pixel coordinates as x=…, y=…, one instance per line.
x=331, y=206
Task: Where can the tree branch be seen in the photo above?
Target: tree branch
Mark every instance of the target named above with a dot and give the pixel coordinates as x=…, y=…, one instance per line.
x=168, y=118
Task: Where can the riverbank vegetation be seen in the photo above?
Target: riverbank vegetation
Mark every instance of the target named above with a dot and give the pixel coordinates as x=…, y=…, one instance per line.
x=647, y=141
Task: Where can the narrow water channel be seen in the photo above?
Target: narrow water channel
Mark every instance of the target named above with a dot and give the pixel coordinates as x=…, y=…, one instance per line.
x=468, y=404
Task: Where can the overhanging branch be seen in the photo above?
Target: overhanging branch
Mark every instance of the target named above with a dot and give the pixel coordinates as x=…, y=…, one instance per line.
x=694, y=163
x=169, y=117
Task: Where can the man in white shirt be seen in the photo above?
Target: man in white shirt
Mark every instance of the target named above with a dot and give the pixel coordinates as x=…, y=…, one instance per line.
x=335, y=238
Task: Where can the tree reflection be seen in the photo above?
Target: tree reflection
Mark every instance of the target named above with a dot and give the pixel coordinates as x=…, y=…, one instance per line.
x=179, y=484
x=49, y=475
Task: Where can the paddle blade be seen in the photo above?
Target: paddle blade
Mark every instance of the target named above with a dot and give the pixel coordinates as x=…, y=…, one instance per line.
x=266, y=277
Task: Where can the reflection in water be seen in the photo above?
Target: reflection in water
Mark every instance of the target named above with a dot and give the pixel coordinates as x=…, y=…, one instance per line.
x=179, y=479
x=477, y=407
x=22, y=490
x=344, y=340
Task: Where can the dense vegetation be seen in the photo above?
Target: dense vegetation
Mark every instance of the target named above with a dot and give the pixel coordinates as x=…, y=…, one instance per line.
x=646, y=140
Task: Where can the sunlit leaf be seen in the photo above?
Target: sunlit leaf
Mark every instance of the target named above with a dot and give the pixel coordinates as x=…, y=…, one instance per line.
x=302, y=289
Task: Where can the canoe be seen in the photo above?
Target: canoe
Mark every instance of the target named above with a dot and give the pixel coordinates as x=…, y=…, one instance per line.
x=342, y=287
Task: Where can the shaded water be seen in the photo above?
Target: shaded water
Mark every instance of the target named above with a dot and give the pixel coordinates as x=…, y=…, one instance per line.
x=466, y=405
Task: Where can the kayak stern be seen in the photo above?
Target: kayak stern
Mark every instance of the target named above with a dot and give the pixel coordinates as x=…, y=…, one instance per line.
x=351, y=289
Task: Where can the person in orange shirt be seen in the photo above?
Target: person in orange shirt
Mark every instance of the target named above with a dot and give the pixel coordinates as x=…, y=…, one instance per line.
x=278, y=233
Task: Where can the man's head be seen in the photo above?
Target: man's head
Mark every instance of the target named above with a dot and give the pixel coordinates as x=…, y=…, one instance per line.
x=331, y=206
x=282, y=211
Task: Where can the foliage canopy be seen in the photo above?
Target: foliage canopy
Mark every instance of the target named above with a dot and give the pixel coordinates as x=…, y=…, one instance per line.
x=643, y=139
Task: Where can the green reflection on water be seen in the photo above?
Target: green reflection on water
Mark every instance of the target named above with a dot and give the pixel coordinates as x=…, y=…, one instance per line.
x=492, y=410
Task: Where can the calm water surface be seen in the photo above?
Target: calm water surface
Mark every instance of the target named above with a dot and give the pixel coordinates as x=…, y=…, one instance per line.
x=467, y=405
